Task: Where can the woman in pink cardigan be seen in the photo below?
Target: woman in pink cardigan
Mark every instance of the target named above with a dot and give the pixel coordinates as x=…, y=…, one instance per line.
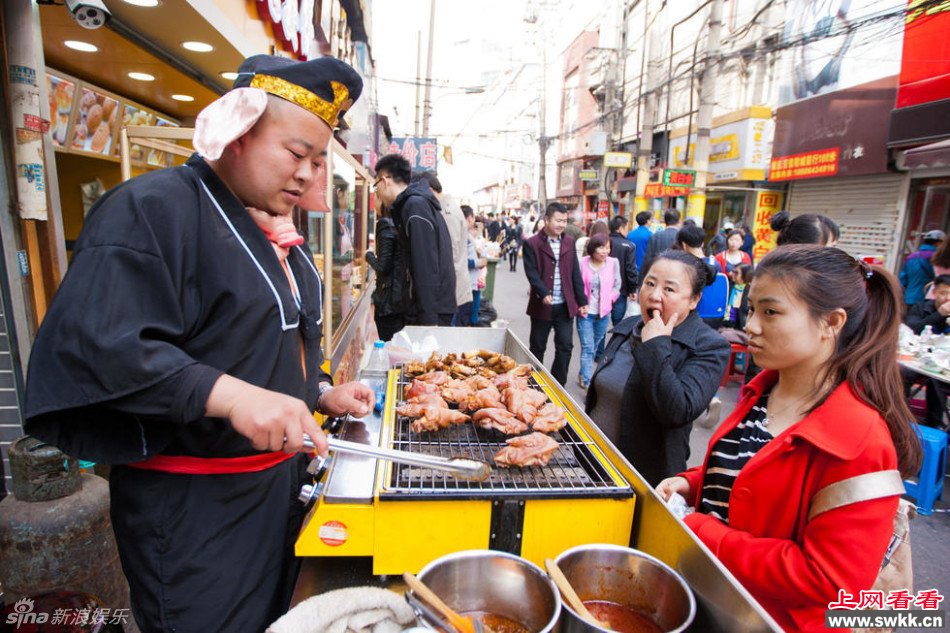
x=601, y=274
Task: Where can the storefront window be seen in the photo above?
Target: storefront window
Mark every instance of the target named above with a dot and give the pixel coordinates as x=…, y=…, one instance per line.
x=344, y=238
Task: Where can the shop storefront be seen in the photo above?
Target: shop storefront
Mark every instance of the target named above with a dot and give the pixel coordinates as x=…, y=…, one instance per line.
x=832, y=150
x=740, y=146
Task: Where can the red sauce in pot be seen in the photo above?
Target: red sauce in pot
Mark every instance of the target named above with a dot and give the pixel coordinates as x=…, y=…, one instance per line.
x=494, y=623
x=621, y=618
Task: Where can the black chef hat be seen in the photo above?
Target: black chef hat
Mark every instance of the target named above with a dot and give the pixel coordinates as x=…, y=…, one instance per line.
x=324, y=86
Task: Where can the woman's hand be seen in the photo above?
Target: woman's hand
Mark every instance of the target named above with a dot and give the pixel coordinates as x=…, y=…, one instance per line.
x=654, y=326
x=672, y=484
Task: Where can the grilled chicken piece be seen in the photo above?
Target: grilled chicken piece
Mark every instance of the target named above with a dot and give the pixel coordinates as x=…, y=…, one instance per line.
x=458, y=370
x=478, y=383
x=456, y=391
x=487, y=398
x=501, y=363
x=527, y=450
x=486, y=372
x=518, y=402
x=435, y=363
x=500, y=420
x=430, y=399
x=535, y=397
x=550, y=419
x=503, y=381
x=435, y=377
x=418, y=388
x=431, y=417
x=414, y=368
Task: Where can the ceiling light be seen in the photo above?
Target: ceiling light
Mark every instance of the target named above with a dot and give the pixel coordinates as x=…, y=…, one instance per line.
x=143, y=3
x=230, y=76
x=142, y=76
x=183, y=98
x=197, y=47
x=85, y=47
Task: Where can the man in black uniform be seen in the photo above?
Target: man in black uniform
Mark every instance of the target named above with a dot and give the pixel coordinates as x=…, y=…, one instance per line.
x=184, y=345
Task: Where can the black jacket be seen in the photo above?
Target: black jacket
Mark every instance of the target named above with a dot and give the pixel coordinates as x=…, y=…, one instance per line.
x=658, y=243
x=427, y=247
x=392, y=275
x=672, y=381
x=924, y=313
x=626, y=253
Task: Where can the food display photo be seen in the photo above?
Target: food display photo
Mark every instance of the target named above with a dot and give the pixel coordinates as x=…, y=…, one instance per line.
x=134, y=115
x=61, y=94
x=95, y=123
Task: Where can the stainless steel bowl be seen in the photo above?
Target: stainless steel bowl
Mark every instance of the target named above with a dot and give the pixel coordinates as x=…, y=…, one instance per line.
x=628, y=577
x=495, y=582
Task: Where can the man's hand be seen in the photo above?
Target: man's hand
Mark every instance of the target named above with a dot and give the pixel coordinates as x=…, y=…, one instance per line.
x=272, y=421
x=944, y=309
x=547, y=300
x=582, y=311
x=354, y=398
x=655, y=326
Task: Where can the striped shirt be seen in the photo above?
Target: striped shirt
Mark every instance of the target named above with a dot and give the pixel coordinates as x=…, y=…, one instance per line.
x=556, y=295
x=729, y=456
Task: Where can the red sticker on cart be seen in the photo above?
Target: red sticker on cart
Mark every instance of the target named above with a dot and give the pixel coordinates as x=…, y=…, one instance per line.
x=333, y=533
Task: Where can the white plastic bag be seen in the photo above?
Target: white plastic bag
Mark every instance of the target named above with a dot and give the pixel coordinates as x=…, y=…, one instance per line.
x=678, y=506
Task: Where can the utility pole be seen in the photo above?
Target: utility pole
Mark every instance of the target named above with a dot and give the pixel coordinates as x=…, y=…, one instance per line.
x=418, y=80
x=696, y=202
x=428, y=103
x=543, y=140
x=651, y=46
x=612, y=112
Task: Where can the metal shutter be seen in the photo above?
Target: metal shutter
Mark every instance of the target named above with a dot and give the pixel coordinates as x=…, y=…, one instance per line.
x=869, y=210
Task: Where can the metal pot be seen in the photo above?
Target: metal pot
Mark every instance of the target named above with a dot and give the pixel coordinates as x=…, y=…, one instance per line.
x=498, y=583
x=630, y=578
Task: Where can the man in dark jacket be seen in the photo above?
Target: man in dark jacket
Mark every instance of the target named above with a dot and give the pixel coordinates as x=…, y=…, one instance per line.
x=624, y=252
x=918, y=271
x=557, y=289
x=392, y=280
x=424, y=240
x=662, y=240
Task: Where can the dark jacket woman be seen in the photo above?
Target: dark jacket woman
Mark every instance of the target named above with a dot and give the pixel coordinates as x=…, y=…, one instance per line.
x=672, y=381
x=392, y=277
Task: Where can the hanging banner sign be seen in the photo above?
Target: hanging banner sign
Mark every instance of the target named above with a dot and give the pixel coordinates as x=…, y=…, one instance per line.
x=767, y=204
x=588, y=174
x=679, y=178
x=805, y=165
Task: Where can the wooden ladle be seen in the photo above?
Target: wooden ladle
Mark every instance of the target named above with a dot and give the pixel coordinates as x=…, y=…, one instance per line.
x=573, y=600
x=459, y=622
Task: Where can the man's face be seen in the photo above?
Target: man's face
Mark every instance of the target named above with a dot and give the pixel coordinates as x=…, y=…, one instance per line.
x=277, y=161
x=383, y=186
x=941, y=294
x=555, y=224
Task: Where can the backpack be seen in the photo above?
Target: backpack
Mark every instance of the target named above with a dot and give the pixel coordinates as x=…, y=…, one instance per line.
x=896, y=570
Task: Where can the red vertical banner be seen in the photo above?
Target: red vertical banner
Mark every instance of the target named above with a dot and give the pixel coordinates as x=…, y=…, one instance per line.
x=925, y=63
x=767, y=204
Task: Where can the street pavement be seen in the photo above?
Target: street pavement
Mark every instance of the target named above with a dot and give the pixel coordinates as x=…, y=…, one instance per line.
x=930, y=535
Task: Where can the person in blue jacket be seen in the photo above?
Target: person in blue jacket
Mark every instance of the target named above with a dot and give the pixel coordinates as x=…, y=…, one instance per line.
x=918, y=271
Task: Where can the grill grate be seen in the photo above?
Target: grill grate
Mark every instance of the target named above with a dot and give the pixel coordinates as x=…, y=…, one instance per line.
x=573, y=470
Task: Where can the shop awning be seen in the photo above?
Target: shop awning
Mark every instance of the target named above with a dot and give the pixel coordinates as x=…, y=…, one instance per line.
x=928, y=156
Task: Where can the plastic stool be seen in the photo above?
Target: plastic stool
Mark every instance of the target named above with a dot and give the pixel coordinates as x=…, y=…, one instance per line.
x=929, y=485
x=731, y=372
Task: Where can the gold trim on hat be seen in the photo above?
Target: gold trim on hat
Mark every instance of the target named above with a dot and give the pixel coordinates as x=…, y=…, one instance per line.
x=328, y=112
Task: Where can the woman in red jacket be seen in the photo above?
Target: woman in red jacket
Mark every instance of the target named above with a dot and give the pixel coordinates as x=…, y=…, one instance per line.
x=829, y=407
x=732, y=256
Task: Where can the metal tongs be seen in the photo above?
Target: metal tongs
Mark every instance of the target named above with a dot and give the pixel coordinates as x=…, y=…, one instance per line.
x=460, y=467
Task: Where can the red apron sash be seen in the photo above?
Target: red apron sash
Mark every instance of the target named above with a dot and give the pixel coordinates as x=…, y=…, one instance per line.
x=188, y=465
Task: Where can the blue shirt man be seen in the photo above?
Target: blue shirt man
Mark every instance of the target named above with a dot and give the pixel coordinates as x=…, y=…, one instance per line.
x=641, y=235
